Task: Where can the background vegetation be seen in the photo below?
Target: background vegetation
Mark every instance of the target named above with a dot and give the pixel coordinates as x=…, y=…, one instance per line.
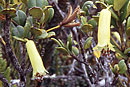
x=65, y=33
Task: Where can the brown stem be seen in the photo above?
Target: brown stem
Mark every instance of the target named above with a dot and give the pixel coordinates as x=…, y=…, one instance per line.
x=121, y=31
x=9, y=49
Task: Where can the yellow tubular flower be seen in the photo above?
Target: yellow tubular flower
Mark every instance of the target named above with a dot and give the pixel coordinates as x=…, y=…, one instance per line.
x=104, y=28
x=36, y=61
x=104, y=31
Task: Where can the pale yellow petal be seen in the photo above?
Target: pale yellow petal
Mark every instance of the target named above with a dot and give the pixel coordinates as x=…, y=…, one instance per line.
x=35, y=59
x=104, y=28
x=97, y=53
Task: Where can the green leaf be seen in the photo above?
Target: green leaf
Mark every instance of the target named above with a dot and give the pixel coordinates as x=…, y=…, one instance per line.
x=24, y=1
x=83, y=20
x=36, y=12
x=18, y=31
x=49, y=13
x=3, y=64
x=114, y=15
x=87, y=5
x=29, y=20
x=96, y=18
x=61, y=42
x=113, y=22
x=19, y=39
x=20, y=19
x=110, y=2
x=3, y=67
x=27, y=28
x=116, y=68
x=120, y=56
x=92, y=22
x=7, y=74
x=69, y=41
x=58, y=42
x=123, y=11
x=128, y=10
x=42, y=19
x=122, y=67
x=128, y=31
x=118, y=4
x=75, y=42
x=43, y=35
x=116, y=34
x=62, y=50
x=9, y=11
x=87, y=28
x=50, y=34
x=37, y=3
x=128, y=22
x=45, y=2
x=31, y=3
x=88, y=42
x=36, y=31
x=75, y=50
x=127, y=50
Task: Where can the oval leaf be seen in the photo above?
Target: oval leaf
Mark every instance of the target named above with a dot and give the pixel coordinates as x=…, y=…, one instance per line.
x=88, y=42
x=122, y=67
x=20, y=18
x=36, y=12
x=63, y=50
x=75, y=50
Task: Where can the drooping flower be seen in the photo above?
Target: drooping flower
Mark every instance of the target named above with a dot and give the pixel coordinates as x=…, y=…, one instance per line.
x=36, y=61
x=104, y=31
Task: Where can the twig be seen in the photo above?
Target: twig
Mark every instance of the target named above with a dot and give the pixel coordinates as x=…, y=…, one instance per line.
x=29, y=67
x=61, y=77
x=84, y=59
x=60, y=11
x=9, y=49
x=23, y=56
x=86, y=75
x=121, y=31
x=72, y=67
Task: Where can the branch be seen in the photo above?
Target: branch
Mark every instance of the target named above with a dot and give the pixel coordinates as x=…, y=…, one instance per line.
x=9, y=49
x=61, y=77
